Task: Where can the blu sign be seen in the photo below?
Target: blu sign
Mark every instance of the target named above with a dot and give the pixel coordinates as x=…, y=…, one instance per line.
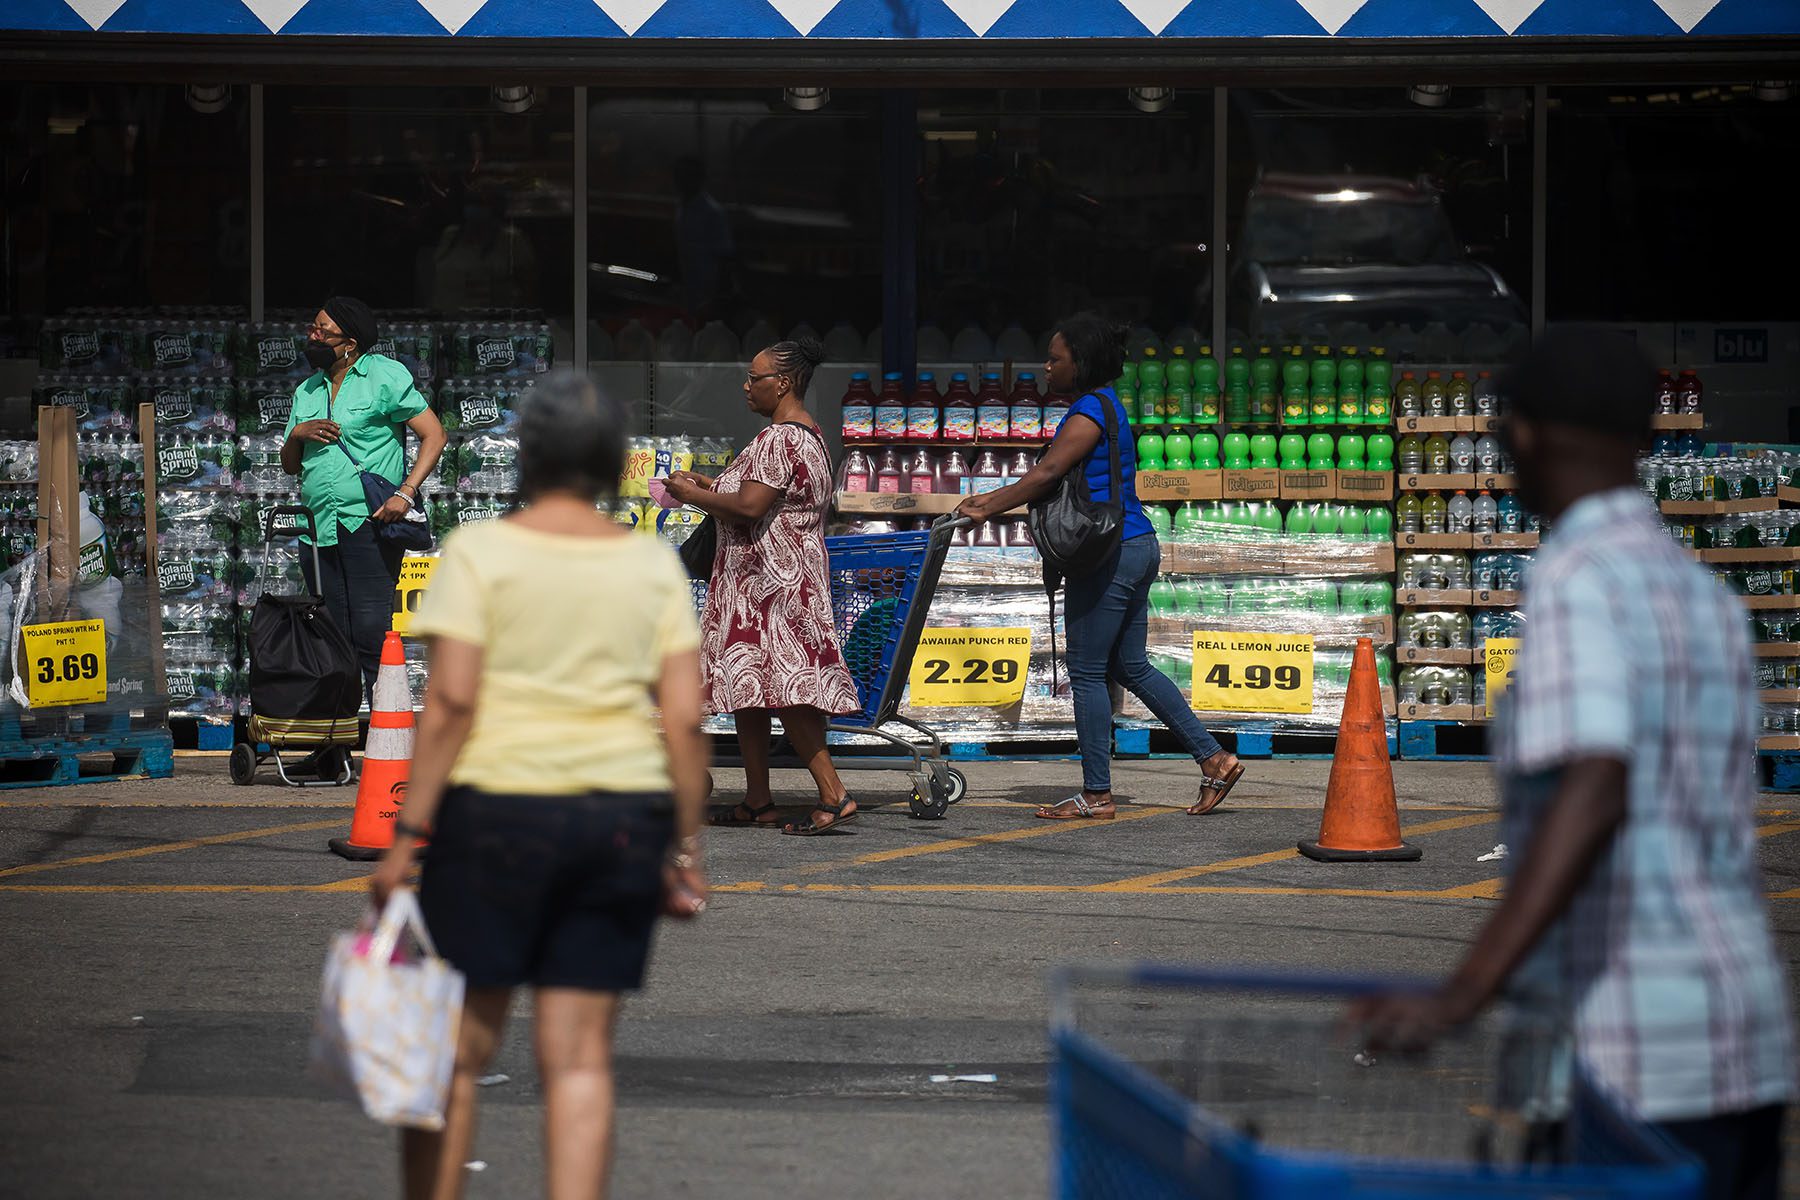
x=1740, y=345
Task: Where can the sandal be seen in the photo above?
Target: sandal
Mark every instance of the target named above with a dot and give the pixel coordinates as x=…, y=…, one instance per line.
x=1219, y=789
x=729, y=819
x=1076, y=808
x=811, y=828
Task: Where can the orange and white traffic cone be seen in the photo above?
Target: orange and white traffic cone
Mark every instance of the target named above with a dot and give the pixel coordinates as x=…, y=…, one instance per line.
x=387, y=760
x=1362, y=818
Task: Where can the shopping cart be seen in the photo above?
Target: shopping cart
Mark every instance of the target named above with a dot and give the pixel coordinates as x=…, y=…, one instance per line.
x=881, y=589
x=1177, y=1083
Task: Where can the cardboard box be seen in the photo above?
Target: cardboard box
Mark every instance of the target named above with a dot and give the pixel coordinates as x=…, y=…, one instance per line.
x=1433, y=597
x=1779, y=695
x=1677, y=421
x=1760, y=554
x=1488, y=598
x=912, y=503
x=1785, y=741
x=1174, y=486
x=1488, y=424
x=1309, y=485
x=1426, y=656
x=1251, y=485
x=1495, y=483
x=1365, y=486
x=1406, y=425
x=1788, y=495
x=1435, y=541
x=1716, y=508
x=1776, y=603
x=1443, y=712
x=1776, y=649
x=1338, y=632
x=1505, y=541
x=1436, y=483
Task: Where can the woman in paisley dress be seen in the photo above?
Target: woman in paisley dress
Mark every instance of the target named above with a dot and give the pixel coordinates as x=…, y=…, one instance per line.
x=767, y=639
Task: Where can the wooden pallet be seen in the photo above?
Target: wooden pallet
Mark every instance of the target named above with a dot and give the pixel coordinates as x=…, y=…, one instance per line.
x=57, y=761
x=1244, y=739
x=1443, y=741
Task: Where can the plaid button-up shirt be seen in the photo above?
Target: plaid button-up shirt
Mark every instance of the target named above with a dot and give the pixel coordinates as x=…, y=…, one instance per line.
x=1664, y=964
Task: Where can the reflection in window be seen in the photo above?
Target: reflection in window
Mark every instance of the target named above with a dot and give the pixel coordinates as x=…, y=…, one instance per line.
x=1034, y=205
x=1360, y=218
x=718, y=224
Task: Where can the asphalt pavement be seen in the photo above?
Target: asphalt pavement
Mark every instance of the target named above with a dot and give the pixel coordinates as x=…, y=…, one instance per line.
x=162, y=943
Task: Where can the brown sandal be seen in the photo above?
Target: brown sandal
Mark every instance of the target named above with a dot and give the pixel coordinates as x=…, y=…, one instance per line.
x=1218, y=789
x=1075, y=808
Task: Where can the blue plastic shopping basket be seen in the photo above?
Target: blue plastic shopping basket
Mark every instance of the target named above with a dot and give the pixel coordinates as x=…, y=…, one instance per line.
x=881, y=589
x=1171, y=1084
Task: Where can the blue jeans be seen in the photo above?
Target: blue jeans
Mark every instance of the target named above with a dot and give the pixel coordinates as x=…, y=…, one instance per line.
x=1105, y=621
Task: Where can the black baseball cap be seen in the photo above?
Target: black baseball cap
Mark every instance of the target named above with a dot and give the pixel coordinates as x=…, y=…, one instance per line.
x=1598, y=380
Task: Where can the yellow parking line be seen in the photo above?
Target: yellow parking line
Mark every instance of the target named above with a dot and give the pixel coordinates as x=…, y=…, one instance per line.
x=168, y=847
x=981, y=839
x=1258, y=860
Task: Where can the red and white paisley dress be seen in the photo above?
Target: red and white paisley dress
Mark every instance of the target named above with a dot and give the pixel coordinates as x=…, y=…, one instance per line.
x=767, y=639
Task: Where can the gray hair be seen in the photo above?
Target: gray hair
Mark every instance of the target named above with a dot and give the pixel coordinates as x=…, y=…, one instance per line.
x=571, y=437
x=797, y=360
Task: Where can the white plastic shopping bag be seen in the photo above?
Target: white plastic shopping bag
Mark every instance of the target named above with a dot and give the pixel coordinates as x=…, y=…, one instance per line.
x=388, y=1022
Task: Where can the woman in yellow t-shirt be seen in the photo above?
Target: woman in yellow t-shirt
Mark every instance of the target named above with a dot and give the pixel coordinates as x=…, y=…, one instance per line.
x=563, y=817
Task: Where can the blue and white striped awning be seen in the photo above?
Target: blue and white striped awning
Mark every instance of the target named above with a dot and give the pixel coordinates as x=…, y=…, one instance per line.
x=915, y=19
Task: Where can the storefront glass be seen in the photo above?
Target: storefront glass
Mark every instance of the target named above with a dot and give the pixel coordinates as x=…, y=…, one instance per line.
x=718, y=224
x=1381, y=217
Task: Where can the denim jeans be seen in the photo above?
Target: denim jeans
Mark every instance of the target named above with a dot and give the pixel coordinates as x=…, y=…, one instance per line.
x=361, y=572
x=1105, y=620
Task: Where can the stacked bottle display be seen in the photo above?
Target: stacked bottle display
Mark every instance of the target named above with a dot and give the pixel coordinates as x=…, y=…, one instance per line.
x=963, y=414
x=1265, y=391
x=18, y=501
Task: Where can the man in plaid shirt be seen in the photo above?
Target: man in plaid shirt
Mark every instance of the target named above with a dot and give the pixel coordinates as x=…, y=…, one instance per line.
x=1635, y=912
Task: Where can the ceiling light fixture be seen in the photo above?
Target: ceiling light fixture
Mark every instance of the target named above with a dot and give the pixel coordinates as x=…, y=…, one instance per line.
x=514, y=100
x=806, y=99
x=1429, y=95
x=1150, y=99
x=208, y=97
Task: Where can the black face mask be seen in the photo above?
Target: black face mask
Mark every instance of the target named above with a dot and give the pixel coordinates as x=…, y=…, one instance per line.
x=320, y=355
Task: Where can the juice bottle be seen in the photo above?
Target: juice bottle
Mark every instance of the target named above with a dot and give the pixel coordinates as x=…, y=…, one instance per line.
x=987, y=475
x=1206, y=375
x=921, y=477
x=1350, y=404
x=1206, y=402
x=1150, y=452
x=1265, y=406
x=1381, y=452
x=1237, y=452
x=858, y=472
x=1324, y=405
x=1349, y=369
x=1206, y=452
x=1293, y=452
x=959, y=410
x=1408, y=400
x=953, y=476
x=1293, y=369
x=1150, y=370
x=1437, y=455
x=1350, y=450
x=924, y=410
x=1150, y=402
x=1237, y=370
x=1025, y=421
x=1689, y=392
x=1408, y=514
x=859, y=409
x=1487, y=395
x=890, y=409
x=1178, y=452
x=1056, y=407
x=1433, y=511
x=1178, y=404
x=1265, y=372
x=1262, y=452
x=1318, y=452
x=1294, y=407
x=1300, y=518
x=1378, y=371
x=1237, y=404
x=888, y=475
x=1378, y=406
x=1381, y=523
x=993, y=417
x=1462, y=395
x=1410, y=458
x=1667, y=399
x=1180, y=371
x=1324, y=369
x=1433, y=398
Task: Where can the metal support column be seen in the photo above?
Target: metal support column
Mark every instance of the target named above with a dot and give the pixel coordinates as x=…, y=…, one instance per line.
x=579, y=214
x=900, y=232
x=1221, y=162
x=258, y=223
x=1540, y=205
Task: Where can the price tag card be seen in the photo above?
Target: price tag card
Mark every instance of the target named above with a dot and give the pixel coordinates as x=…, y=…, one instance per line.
x=1498, y=659
x=963, y=668
x=415, y=576
x=66, y=663
x=1253, y=672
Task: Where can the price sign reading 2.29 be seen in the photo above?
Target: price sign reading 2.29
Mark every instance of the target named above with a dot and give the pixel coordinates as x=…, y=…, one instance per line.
x=67, y=662
x=1253, y=672
x=970, y=668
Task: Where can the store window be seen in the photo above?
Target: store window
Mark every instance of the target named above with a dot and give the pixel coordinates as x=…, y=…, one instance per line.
x=1393, y=218
x=718, y=224
x=1662, y=221
x=1037, y=204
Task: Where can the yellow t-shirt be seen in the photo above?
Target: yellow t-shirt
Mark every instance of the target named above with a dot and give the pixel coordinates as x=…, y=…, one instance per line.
x=575, y=631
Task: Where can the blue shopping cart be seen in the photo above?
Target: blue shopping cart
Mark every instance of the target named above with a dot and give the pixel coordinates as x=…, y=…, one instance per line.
x=1172, y=1084
x=881, y=589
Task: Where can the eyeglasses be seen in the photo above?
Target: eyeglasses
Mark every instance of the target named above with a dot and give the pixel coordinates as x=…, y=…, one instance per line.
x=322, y=332
x=752, y=376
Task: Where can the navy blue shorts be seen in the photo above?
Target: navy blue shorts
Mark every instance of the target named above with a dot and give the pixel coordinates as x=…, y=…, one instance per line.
x=550, y=891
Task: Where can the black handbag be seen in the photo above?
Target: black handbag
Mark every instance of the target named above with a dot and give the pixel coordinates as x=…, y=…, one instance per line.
x=698, y=552
x=1073, y=532
x=411, y=532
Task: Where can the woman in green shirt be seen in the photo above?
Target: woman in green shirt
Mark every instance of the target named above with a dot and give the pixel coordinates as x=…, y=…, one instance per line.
x=346, y=419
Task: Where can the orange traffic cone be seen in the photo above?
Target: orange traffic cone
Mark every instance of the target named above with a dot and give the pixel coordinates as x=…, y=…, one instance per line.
x=387, y=760
x=1362, y=821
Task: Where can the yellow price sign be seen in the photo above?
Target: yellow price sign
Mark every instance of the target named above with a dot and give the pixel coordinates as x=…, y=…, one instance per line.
x=65, y=663
x=415, y=577
x=1253, y=672
x=1498, y=659
x=964, y=668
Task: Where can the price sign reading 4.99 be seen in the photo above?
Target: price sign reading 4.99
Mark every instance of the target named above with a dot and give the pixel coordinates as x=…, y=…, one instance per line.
x=1253, y=672
x=964, y=668
x=66, y=662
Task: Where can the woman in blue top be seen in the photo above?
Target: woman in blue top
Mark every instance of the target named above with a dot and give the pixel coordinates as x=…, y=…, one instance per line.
x=1106, y=613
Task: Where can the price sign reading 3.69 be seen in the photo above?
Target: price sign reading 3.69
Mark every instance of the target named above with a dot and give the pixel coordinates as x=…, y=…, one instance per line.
x=970, y=667
x=66, y=662
x=1253, y=672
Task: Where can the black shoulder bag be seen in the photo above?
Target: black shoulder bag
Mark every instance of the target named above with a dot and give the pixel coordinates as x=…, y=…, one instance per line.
x=1074, y=533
